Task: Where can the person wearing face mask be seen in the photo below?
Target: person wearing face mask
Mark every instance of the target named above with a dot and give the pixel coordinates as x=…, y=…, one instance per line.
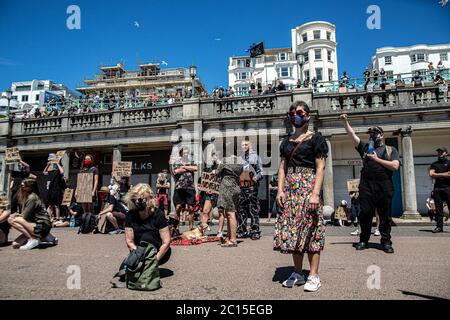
x=89, y=167
x=440, y=171
x=114, y=210
x=145, y=222
x=300, y=228
x=376, y=187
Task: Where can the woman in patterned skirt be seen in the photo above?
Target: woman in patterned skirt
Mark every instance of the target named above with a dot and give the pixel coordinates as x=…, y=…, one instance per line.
x=299, y=228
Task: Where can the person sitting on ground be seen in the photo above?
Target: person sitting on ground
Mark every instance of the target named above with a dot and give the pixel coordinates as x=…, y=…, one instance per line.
x=76, y=213
x=145, y=222
x=33, y=221
x=114, y=210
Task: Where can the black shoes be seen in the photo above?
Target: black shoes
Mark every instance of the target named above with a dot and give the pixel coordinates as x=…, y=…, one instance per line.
x=255, y=236
x=388, y=248
x=438, y=230
x=361, y=246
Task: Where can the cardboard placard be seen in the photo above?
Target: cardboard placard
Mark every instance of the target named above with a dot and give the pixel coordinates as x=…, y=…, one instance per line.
x=209, y=183
x=122, y=169
x=246, y=178
x=67, y=197
x=353, y=185
x=12, y=155
x=85, y=182
x=340, y=214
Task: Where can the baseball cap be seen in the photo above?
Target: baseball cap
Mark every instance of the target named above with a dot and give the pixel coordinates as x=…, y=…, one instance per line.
x=375, y=129
x=443, y=149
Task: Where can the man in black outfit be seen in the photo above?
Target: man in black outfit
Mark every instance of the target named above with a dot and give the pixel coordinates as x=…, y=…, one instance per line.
x=376, y=187
x=440, y=171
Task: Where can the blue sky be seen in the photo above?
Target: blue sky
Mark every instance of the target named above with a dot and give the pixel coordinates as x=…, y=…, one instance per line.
x=36, y=44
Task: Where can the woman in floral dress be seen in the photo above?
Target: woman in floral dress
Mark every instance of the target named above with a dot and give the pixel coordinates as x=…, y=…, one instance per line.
x=299, y=228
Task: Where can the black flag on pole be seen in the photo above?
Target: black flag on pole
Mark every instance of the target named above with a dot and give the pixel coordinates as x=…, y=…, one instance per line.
x=256, y=49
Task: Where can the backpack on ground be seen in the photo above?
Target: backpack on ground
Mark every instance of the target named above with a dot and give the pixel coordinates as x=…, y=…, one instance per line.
x=88, y=223
x=146, y=275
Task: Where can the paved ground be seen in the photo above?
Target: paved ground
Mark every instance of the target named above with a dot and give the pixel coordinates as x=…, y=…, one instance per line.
x=420, y=269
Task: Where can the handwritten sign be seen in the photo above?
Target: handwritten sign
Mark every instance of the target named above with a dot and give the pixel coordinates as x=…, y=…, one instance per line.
x=209, y=183
x=67, y=197
x=353, y=185
x=85, y=182
x=246, y=177
x=340, y=214
x=122, y=169
x=12, y=155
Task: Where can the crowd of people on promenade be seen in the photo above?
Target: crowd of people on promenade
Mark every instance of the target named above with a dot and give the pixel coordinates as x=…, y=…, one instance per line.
x=373, y=79
x=143, y=214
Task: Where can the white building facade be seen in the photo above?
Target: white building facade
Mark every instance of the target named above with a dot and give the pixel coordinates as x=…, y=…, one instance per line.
x=27, y=94
x=315, y=42
x=408, y=60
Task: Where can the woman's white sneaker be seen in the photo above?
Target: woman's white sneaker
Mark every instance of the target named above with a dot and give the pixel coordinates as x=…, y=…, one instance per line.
x=355, y=233
x=32, y=243
x=294, y=280
x=313, y=284
x=377, y=233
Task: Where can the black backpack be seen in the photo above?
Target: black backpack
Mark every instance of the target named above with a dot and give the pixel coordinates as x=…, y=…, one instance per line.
x=88, y=223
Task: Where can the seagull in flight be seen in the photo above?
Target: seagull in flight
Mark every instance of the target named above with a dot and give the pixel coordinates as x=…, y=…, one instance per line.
x=218, y=39
x=136, y=24
x=164, y=63
x=443, y=2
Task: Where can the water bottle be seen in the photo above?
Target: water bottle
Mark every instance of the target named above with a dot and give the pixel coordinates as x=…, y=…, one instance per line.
x=371, y=149
x=72, y=222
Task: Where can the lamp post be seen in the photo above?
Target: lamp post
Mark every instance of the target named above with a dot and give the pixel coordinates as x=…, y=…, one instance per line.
x=8, y=143
x=301, y=62
x=193, y=74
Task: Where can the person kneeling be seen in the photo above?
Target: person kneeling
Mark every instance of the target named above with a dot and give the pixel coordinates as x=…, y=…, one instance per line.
x=148, y=238
x=33, y=222
x=114, y=210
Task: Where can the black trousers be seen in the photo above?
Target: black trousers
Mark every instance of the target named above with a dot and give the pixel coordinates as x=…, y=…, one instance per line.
x=248, y=207
x=440, y=196
x=375, y=195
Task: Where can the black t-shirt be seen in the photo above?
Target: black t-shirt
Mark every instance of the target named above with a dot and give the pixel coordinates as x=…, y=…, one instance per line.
x=441, y=167
x=306, y=154
x=148, y=229
x=117, y=206
x=373, y=170
x=78, y=208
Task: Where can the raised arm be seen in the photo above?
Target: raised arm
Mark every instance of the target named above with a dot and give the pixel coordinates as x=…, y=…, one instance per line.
x=350, y=132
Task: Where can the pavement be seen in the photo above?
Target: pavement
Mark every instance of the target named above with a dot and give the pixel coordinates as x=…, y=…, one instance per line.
x=419, y=269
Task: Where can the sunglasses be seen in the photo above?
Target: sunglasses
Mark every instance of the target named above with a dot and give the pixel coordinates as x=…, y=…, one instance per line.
x=300, y=113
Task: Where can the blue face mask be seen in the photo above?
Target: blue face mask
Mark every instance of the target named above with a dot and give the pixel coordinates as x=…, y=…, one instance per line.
x=299, y=121
x=376, y=139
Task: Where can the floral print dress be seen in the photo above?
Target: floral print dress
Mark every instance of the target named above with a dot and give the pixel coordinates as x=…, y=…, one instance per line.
x=299, y=229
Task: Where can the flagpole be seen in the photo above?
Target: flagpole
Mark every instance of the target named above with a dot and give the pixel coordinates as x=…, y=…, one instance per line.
x=265, y=67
